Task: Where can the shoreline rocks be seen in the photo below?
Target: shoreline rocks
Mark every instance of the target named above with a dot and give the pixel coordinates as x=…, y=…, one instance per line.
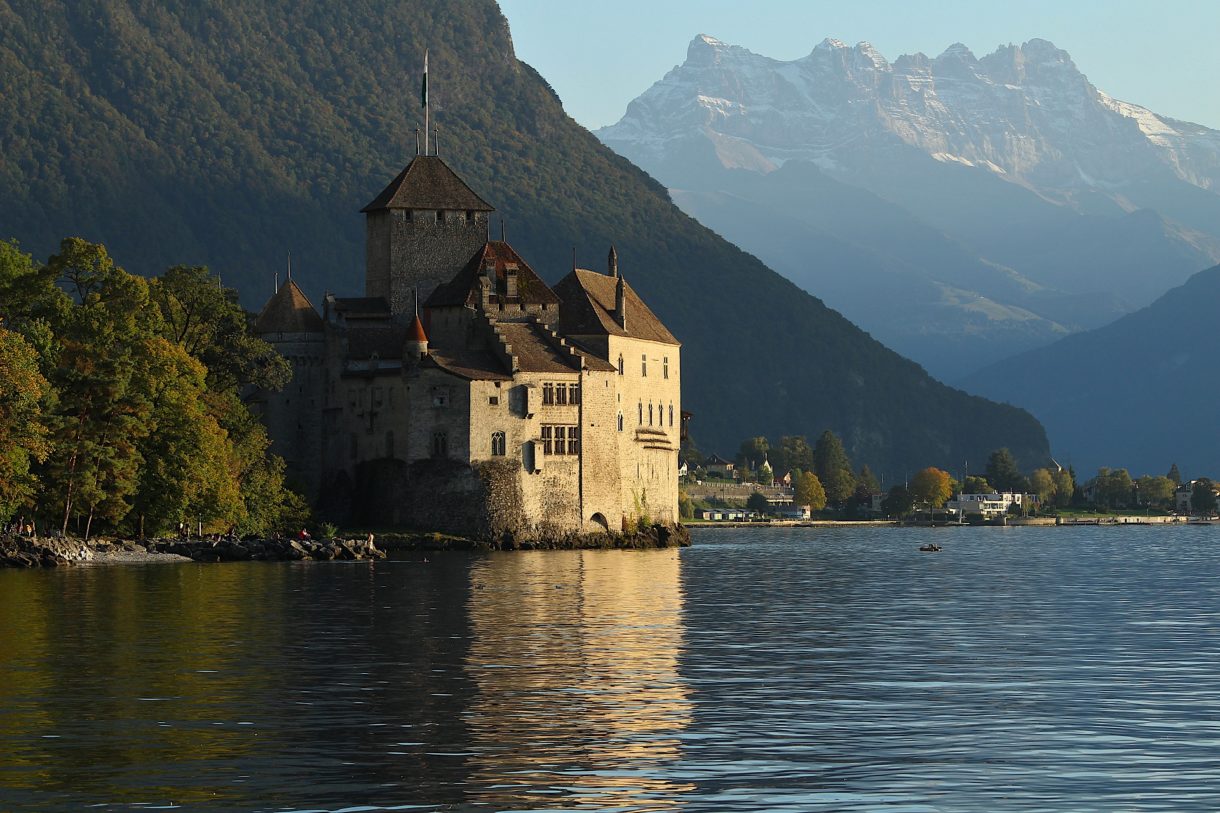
x=28, y=552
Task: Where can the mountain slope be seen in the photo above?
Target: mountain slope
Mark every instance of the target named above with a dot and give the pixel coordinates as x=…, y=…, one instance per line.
x=1139, y=393
x=228, y=135
x=1014, y=158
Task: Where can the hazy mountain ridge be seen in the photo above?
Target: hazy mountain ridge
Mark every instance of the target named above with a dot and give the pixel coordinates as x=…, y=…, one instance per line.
x=1014, y=157
x=1139, y=393
x=232, y=133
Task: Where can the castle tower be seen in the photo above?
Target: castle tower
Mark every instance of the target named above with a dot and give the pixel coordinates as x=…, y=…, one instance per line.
x=291, y=324
x=420, y=232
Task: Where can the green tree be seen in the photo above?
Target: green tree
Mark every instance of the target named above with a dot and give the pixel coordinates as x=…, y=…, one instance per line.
x=22, y=432
x=686, y=506
x=867, y=481
x=1156, y=491
x=1002, y=472
x=930, y=486
x=1174, y=475
x=1042, y=481
x=207, y=321
x=794, y=452
x=807, y=490
x=753, y=452
x=1203, y=497
x=976, y=485
x=1065, y=487
x=758, y=502
x=1113, y=488
x=898, y=502
x=833, y=468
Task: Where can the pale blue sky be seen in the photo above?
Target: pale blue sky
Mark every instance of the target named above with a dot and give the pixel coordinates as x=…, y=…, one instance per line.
x=600, y=55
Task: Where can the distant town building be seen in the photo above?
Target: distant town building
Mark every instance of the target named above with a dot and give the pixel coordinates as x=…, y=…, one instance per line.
x=988, y=505
x=717, y=466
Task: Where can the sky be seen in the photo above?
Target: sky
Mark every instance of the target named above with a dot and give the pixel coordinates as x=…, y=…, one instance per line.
x=598, y=56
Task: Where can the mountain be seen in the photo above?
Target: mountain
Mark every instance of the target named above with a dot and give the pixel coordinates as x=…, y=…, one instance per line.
x=1140, y=393
x=231, y=133
x=994, y=204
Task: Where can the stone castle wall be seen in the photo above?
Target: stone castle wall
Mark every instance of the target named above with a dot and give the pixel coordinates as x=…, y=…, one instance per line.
x=406, y=249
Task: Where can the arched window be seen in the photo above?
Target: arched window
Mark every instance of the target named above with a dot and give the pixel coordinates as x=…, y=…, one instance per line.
x=639, y=407
x=497, y=444
x=440, y=444
x=650, y=413
x=620, y=363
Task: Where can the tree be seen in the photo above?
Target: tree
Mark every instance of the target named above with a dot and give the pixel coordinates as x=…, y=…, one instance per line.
x=1113, y=488
x=1175, y=475
x=1203, y=497
x=686, y=507
x=976, y=485
x=1156, y=491
x=833, y=468
x=867, y=481
x=753, y=452
x=22, y=432
x=1043, y=484
x=930, y=486
x=1065, y=487
x=794, y=452
x=1002, y=472
x=807, y=490
x=758, y=502
x=898, y=502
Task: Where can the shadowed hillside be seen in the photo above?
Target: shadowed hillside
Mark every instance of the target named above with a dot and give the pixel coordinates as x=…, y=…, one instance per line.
x=231, y=134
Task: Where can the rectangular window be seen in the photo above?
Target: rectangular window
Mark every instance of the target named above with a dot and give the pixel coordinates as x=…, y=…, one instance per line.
x=494, y=400
x=644, y=365
x=548, y=394
x=573, y=393
x=561, y=394
x=546, y=440
x=665, y=367
x=559, y=447
x=440, y=396
x=573, y=440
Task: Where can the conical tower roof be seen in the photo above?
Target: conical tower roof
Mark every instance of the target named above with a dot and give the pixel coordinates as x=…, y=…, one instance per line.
x=288, y=311
x=428, y=183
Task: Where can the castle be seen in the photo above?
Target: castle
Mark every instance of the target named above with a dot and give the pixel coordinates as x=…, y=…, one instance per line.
x=464, y=394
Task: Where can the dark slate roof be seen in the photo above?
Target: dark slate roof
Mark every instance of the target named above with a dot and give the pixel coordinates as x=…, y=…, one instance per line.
x=474, y=364
x=288, y=311
x=428, y=183
x=535, y=354
x=587, y=308
x=363, y=307
x=464, y=289
x=383, y=342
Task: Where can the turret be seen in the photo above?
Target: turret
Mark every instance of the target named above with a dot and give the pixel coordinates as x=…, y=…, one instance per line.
x=416, y=345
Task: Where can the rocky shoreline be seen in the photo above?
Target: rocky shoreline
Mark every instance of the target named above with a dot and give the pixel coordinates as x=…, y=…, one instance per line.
x=30, y=552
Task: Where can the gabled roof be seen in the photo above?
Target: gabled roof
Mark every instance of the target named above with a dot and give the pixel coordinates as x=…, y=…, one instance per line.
x=464, y=289
x=587, y=308
x=288, y=311
x=428, y=183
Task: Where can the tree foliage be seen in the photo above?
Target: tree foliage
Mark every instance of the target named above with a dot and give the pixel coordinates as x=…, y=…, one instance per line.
x=757, y=501
x=976, y=485
x=119, y=421
x=930, y=486
x=808, y=490
x=1003, y=473
x=1203, y=497
x=831, y=464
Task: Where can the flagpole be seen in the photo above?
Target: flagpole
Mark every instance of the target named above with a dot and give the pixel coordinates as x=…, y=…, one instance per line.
x=425, y=101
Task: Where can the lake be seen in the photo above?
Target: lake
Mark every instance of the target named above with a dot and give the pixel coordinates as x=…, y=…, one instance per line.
x=760, y=670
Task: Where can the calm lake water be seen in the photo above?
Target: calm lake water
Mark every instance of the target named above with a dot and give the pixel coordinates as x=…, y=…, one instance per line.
x=769, y=670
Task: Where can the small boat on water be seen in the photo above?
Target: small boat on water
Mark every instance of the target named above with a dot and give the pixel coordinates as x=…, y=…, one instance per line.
x=931, y=547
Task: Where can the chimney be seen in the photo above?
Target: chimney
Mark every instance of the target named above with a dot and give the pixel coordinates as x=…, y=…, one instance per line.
x=620, y=304
x=510, y=280
x=612, y=262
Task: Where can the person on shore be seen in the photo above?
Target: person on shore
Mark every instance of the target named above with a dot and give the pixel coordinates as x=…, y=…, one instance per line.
x=303, y=535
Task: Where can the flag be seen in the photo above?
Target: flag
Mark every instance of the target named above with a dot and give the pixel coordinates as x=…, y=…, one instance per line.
x=423, y=93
